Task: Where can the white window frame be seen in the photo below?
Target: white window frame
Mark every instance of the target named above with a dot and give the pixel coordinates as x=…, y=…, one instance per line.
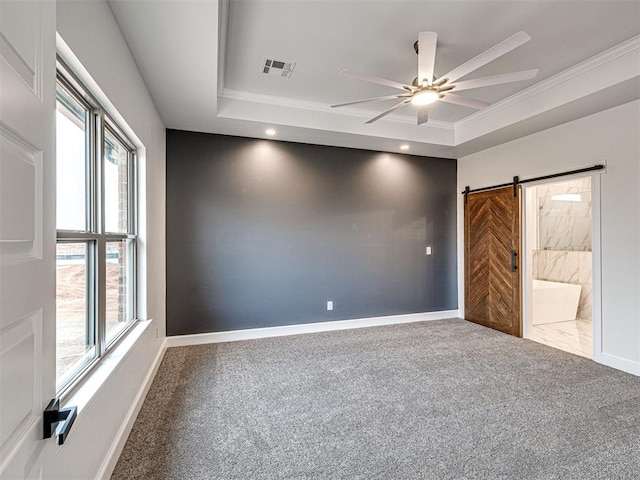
x=95, y=235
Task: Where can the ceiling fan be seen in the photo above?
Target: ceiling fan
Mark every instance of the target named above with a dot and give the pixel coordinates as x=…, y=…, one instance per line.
x=427, y=89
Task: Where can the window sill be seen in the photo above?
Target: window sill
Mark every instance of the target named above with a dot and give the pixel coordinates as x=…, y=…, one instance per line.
x=90, y=386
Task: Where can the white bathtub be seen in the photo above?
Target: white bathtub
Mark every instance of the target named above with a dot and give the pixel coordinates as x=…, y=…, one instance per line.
x=554, y=301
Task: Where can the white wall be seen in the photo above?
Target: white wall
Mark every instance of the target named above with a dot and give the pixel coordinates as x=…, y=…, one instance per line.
x=89, y=30
x=611, y=136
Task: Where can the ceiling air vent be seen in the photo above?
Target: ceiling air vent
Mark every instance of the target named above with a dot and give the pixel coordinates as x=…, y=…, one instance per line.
x=278, y=67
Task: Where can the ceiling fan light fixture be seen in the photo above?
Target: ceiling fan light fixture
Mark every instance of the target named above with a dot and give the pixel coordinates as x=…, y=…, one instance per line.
x=424, y=97
x=431, y=89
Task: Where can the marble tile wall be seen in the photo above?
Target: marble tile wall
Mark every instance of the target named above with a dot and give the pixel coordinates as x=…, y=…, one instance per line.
x=565, y=225
x=567, y=267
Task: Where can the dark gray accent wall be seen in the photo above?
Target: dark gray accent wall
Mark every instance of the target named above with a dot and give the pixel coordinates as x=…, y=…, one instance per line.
x=263, y=233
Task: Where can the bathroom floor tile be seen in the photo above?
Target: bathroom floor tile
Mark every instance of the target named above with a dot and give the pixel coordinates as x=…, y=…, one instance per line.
x=575, y=336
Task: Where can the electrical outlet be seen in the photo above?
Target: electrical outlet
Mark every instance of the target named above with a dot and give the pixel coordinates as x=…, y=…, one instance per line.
x=330, y=305
x=428, y=251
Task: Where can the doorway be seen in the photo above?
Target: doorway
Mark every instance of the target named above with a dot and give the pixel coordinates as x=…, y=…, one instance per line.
x=559, y=235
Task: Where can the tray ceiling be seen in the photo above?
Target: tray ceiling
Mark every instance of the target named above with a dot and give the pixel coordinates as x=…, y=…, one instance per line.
x=203, y=63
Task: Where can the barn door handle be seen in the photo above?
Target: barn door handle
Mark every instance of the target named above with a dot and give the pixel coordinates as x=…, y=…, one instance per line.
x=514, y=257
x=53, y=415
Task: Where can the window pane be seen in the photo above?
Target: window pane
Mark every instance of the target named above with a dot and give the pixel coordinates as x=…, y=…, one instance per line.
x=71, y=162
x=119, y=287
x=116, y=184
x=75, y=333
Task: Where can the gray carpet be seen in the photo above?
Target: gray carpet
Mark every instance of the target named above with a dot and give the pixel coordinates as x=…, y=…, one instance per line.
x=433, y=400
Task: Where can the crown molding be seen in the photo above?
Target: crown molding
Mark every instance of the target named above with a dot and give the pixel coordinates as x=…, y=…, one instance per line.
x=624, y=48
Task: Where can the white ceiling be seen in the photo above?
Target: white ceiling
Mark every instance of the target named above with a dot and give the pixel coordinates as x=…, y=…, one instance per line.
x=202, y=59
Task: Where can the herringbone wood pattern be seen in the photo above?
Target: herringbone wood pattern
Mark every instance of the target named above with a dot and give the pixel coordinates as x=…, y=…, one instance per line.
x=492, y=231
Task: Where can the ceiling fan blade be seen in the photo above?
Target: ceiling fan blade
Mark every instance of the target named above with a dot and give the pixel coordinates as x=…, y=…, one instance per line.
x=387, y=112
x=464, y=101
x=374, y=99
x=372, y=79
x=426, y=55
x=423, y=114
x=496, y=80
x=494, y=52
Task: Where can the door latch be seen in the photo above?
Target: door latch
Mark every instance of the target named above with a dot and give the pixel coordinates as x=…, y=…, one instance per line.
x=514, y=260
x=53, y=415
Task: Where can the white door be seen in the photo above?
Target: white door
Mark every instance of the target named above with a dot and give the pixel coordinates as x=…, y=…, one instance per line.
x=27, y=235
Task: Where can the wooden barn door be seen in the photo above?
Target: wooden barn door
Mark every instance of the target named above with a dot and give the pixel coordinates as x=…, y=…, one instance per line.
x=492, y=259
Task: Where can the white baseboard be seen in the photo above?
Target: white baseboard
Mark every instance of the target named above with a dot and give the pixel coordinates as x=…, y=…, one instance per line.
x=235, y=335
x=623, y=364
x=111, y=459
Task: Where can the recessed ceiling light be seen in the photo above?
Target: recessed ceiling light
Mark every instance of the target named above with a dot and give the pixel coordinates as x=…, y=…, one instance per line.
x=270, y=131
x=404, y=146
